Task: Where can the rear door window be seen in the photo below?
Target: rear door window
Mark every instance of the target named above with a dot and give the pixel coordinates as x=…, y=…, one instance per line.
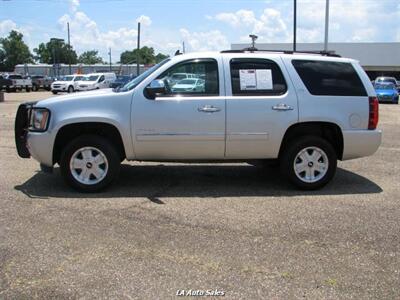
x=256, y=77
x=328, y=78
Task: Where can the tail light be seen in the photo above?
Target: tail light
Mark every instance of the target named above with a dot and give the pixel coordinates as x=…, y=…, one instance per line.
x=373, y=113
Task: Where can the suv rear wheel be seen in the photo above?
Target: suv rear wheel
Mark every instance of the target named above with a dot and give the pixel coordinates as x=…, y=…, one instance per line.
x=309, y=162
x=70, y=89
x=89, y=163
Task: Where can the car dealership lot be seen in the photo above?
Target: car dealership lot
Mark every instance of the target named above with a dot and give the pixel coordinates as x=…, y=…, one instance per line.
x=231, y=227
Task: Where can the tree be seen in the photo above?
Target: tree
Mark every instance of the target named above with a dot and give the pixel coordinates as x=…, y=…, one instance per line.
x=146, y=56
x=13, y=51
x=55, y=51
x=160, y=57
x=90, y=58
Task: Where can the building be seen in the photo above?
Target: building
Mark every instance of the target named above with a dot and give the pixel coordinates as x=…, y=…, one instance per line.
x=377, y=59
x=63, y=69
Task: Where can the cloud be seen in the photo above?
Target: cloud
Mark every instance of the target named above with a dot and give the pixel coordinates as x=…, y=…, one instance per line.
x=74, y=5
x=239, y=18
x=6, y=26
x=204, y=41
x=144, y=20
x=270, y=26
x=350, y=20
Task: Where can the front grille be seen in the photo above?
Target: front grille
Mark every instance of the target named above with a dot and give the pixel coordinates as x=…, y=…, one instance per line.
x=21, y=128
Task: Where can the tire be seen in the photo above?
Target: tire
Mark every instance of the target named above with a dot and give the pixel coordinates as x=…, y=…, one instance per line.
x=35, y=88
x=27, y=89
x=54, y=92
x=92, y=147
x=300, y=151
x=70, y=89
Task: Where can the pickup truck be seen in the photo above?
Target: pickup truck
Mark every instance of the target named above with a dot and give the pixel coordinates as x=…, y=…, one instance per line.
x=304, y=111
x=14, y=82
x=40, y=81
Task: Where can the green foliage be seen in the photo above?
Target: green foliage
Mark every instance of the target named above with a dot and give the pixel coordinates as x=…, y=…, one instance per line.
x=55, y=51
x=90, y=58
x=146, y=56
x=13, y=51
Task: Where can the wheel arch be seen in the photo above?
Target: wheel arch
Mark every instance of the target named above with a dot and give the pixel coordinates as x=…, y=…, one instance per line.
x=327, y=130
x=72, y=130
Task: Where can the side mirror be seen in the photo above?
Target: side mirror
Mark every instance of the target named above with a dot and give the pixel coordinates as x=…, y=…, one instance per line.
x=157, y=86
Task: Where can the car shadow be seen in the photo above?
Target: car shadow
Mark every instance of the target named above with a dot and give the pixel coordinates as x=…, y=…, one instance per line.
x=185, y=180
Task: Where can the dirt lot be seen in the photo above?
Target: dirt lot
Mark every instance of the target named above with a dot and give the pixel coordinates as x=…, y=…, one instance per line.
x=233, y=227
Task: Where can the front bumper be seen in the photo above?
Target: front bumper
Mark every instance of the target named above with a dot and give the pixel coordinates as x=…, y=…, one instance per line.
x=387, y=99
x=35, y=144
x=360, y=143
x=59, y=88
x=85, y=88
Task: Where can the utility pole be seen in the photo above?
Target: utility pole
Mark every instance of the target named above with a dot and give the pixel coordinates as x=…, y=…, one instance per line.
x=326, y=25
x=138, y=50
x=69, y=50
x=109, y=54
x=294, y=23
x=56, y=60
x=183, y=47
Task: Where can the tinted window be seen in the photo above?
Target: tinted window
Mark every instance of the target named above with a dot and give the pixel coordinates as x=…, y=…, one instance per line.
x=256, y=77
x=15, y=77
x=207, y=69
x=329, y=78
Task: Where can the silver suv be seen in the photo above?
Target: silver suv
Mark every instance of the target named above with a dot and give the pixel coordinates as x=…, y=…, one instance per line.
x=304, y=111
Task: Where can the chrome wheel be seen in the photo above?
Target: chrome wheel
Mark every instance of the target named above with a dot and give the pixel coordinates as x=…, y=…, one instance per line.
x=88, y=165
x=311, y=164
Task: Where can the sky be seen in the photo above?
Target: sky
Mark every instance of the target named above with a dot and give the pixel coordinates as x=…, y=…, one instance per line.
x=203, y=25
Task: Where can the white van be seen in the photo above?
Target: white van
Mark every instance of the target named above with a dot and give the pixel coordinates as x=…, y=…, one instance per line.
x=96, y=81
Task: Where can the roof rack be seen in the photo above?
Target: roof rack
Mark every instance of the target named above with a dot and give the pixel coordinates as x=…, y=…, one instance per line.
x=252, y=50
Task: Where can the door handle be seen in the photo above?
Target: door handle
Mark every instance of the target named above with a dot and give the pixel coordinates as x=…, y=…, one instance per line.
x=208, y=109
x=282, y=107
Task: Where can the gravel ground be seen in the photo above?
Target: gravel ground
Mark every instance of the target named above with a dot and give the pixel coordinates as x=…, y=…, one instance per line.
x=233, y=228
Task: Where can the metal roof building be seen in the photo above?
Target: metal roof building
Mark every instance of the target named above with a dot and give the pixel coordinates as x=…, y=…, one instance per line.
x=377, y=59
x=63, y=69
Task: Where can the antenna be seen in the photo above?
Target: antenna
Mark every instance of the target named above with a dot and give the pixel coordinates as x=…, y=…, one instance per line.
x=253, y=40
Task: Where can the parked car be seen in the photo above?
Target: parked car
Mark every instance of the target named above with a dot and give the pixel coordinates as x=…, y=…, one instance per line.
x=14, y=82
x=96, y=81
x=68, y=83
x=174, y=78
x=388, y=79
x=387, y=92
x=40, y=81
x=305, y=111
x=121, y=80
x=186, y=85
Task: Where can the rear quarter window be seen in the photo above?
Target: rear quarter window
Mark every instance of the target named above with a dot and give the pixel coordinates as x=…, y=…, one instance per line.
x=327, y=78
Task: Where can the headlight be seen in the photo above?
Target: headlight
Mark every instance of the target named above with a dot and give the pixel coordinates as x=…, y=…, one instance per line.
x=39, y=119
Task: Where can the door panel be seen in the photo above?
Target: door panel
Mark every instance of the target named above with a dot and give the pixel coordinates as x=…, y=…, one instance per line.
x=182, y=125
x=257, y=123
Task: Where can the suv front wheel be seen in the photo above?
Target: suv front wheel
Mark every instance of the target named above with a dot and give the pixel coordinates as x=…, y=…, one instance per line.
x=89, y=163
x=309, y=162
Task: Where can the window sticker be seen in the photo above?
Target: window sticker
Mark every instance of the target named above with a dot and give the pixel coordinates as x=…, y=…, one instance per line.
x=252, y=79
x=264, y=79
x=247, y=79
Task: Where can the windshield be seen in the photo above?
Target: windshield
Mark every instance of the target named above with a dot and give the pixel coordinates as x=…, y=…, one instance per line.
x=66, y=78
x=384, y=86
x=90, y=78
x=387, y=79
x=134, y=83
